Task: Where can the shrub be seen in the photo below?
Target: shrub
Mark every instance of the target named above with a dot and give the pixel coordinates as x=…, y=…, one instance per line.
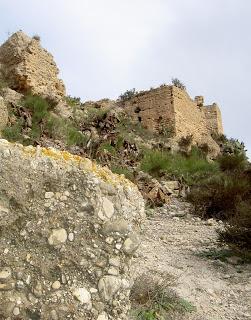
x=94, y=115
x=3, y=84
x=36, y=37
x=218, y=196
x=123, y=170
x=128, y=95
x=238, y=230
x=38, y=106
x=177, y=83
x=166, y=130
x=204, y=147
x=233, y=162
x=229, y=146
x=186, y=142
x=13, y=133
x=72, y=101
x=106, y=146
x=191, y=168
x=152, y=298
x=75, y=137
x=227, y=196
x=219, y=138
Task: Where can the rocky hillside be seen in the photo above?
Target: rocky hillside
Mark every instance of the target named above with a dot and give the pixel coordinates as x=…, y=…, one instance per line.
x=75, y=180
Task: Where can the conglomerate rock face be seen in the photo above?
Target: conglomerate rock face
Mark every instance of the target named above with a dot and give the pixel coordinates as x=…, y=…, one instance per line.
x=68, y=229
x=26, y=67
x=3, y=114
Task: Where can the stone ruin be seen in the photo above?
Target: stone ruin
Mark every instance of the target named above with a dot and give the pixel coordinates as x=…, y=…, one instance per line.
x=170, y=108
x=26, y=67
x=68, y=230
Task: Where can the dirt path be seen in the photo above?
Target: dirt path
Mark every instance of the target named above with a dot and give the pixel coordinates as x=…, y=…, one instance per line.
x=172, y=238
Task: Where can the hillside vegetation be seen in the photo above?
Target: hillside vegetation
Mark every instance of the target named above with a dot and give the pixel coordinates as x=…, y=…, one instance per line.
x=219, y=189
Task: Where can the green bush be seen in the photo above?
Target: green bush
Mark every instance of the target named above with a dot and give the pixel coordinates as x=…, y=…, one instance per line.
x=219, y=195
x=107, y=147
x=13, y=133
x=3, y=84
x=227, y=196
x=177, y=83
x=75, y=137
x=233, y=162
x=38, y=106
x=122, y=170
x=238, y=229
x=72, y=101
x=186, y=141
x=128, y=95
x=94, y=115
x=36, y=37
x=191, y=168
x=152, y=298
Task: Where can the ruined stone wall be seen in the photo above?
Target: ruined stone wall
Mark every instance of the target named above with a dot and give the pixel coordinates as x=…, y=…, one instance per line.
x=213, y=118
x=25, y=66
x=171, y=107
x=189, y=119
x=153, y=109
x=68, y=229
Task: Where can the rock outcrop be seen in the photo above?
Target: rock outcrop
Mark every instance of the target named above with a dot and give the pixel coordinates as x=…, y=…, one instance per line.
x=68, y=229
x=26, y=67
x=3, y=114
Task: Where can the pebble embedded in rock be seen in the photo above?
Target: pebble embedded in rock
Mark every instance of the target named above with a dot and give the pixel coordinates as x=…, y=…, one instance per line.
x=102, y=316
x=108, y=210
x=49, y=195
x=114, y=261
x=56, y=285
x=38, y=290
x=16, y=311
x=54, y=315
x=71, y=236
x=113, y=271
x=82, y=295
x=131, y=244
x=58, y=236
x=7, y=286
x=93, y=290
x=5, y=274
x=118, y=246
x=108, y=286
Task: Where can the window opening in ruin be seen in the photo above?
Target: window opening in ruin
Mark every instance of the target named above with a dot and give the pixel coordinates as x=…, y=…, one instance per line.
x=137, y=110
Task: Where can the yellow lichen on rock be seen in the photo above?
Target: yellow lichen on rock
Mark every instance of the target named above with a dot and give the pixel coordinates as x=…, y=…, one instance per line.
x=83, y=163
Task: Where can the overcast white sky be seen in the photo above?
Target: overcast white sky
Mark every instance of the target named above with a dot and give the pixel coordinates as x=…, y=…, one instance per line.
x=104, y=47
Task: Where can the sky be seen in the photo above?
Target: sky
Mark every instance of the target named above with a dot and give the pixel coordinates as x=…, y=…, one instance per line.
x=104, y=47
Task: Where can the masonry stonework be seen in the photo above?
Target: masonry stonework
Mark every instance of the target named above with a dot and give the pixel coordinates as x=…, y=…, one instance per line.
x=26, y=67
x=171, y=107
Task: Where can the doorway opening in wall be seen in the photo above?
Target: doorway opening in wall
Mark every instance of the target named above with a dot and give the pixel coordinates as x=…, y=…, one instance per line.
x=137, y=110
x=140, y=119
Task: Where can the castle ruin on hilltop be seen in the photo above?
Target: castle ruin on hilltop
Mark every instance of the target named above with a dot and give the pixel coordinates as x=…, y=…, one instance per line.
x=27, y=67
x=171, y=108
